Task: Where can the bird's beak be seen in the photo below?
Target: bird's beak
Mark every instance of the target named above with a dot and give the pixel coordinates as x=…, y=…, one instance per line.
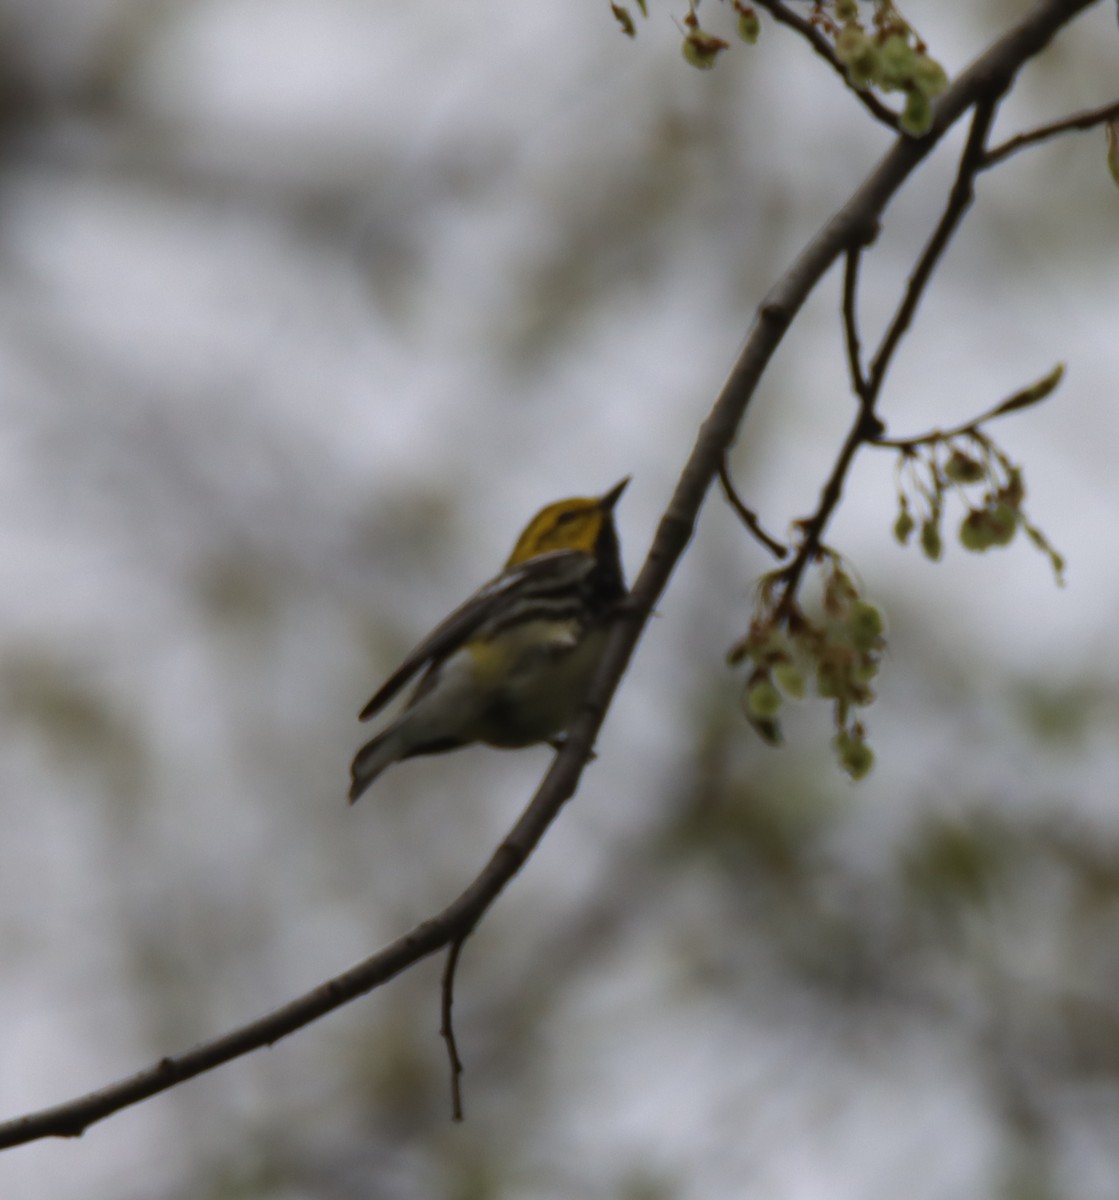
x=611, y=498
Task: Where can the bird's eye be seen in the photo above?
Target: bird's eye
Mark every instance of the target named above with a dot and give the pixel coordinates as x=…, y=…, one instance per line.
x=565, y=518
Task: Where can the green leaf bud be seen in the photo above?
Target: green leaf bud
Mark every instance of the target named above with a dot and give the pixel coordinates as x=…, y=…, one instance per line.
x=897, y=58
x=865, y=672
x=1014, y=490
x=917, y=117
x=790, y=679
x=975, y=533
x=962, y=468
x=1002, y=520
x=904, y=526
x=858, y=52
x=702, y=49
x=929, y=77
x=930, y=540
x=749, y=27
x=763, y=700
x=855, y=756
x=767, y=729
x=831, y=681
x=866, y=625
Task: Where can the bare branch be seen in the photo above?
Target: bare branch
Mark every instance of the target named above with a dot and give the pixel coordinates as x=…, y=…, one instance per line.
x=851, y=323
x=1023, y=398
x=785, y=16
x=1088, y=119
x=747, y=515
x=447, y=1026
x=959, y=200
x=853, y=225
x=866, y=426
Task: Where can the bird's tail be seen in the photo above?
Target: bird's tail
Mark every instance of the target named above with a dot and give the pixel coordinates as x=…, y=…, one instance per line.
x=377, y=754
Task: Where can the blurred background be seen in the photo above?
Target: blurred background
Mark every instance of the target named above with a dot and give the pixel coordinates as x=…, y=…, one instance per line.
x=305, y=307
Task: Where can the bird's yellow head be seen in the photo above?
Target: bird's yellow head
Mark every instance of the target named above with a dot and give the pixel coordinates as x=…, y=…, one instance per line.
x=581, y=523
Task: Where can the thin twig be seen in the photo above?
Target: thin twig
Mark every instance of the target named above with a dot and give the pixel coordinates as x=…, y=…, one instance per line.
x=447, y=1025
x=851, y=322
x=1088, y=119
x=866, y=426
x=959, y=200
x=1015, y=402
x=747, y=515
x=785, y=16
x=995, y=67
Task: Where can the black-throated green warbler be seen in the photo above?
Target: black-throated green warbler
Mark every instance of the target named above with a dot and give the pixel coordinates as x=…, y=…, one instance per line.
x=511, y=665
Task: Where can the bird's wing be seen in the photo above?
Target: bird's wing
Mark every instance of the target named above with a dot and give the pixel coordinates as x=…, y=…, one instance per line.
x=539, y=575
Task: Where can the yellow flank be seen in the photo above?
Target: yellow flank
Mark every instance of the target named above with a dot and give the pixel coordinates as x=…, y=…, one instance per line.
x=489, y=659
x=567, y=525
x=529, y=680
x=525, y=646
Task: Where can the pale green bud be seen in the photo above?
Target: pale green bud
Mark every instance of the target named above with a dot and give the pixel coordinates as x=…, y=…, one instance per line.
x=790, y=680
x=930, y=540
x=749, y=27
x=866, y=625
x=904, y=526
x=962, y=468
x=701, y=49
x=929, y=77
x=855, y=756
x=1002, y=520
x=975, y=534
x=917, y=117
x=763, y=700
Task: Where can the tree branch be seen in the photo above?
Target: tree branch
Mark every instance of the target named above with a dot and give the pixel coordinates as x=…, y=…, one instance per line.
x=866, y=426
x=1088, y=119
x=785, y=16
x=959, y=201
x=747, y=515
x=447, y=1026
x=1023, y=398
x=853, y=225
x=851, y=323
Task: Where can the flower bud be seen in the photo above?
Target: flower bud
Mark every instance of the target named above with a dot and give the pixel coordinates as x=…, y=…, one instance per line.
x=975, y=534
x=929, y=77
x=790, y=680
x=1002, y=520
x=866, y=625
x=897, y=59
x=916, y=119
x=763, y=700
x=857, y=51
x=701, y=49
x=749, y=27
x=962, y=468
x=855, y=756
x=930, y=540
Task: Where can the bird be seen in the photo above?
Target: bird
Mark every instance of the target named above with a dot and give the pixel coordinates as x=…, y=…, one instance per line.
x=510, y=666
